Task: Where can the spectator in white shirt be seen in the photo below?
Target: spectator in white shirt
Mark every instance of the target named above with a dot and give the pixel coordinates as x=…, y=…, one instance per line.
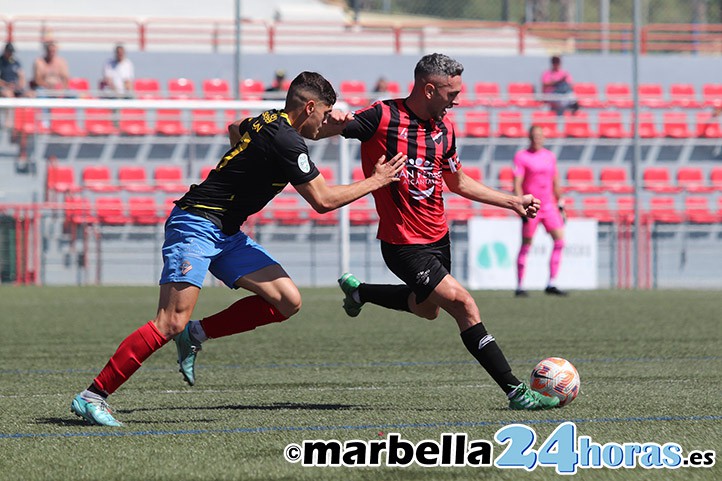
x=118, y=74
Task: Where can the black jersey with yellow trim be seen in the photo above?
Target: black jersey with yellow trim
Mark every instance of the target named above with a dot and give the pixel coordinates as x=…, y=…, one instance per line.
x=269, y=155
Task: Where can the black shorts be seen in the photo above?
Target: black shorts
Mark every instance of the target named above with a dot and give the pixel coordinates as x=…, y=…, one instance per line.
x=420, y=266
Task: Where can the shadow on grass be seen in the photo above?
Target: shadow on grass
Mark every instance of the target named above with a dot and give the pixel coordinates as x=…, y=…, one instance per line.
x=242, y=407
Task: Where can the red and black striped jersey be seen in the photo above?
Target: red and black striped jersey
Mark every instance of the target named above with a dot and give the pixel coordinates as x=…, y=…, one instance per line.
x=411, y=211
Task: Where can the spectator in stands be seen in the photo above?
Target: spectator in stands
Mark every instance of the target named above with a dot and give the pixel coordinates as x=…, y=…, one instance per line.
x=535, y=172
x=414, y=233
x=50, y=72
x=203, y=234
x=12, y=77
x=118, y=74
x=381, y=88
x=558, y=82
x=276, y=90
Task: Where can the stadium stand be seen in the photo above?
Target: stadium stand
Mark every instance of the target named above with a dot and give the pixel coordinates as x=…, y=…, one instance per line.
x=97, y=178
x=522, y=94
x=354, y=92
x=476, y=124
x=683, y=96
x=144, y=211
x=181, y=88
x=510, y=124
x=587, y=95
x=216, y=89
x=132, y=178
x=488, y=94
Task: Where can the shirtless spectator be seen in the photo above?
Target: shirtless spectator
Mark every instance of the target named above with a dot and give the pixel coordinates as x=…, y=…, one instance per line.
x=50, y=72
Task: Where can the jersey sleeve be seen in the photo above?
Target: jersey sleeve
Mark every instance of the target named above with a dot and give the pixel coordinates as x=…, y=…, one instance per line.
x=450, y=160
x=291, y=153
x=364, y=124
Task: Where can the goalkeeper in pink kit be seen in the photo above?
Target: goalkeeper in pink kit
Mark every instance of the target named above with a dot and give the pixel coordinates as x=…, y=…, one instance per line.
x=535, y=172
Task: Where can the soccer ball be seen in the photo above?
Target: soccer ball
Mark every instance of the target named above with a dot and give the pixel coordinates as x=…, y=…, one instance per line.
x=557, y=377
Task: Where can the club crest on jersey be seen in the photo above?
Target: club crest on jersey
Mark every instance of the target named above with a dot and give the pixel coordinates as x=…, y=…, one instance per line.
x=303, y=163
x=437, y=136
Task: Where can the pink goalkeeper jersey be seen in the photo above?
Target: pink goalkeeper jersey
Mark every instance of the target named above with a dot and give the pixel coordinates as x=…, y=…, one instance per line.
x=538, y=170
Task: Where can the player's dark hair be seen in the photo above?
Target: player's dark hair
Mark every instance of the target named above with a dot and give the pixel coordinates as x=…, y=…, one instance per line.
x=437, y=65
x=309, y=86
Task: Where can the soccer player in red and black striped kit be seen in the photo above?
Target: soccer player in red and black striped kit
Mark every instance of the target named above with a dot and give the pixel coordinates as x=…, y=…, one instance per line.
x=412, y=229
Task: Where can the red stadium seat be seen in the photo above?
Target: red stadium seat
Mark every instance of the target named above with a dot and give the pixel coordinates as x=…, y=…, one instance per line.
x=97, y=178
x=204, y=123
x=78, y=210
x=169, y=178
x=328, y=174
x=647, y=126
x=576, y=125
x=80, y=85
x=393, y=88
x=587, y=95
x=328, y=218
x=683, y=95
x=506, y=179
x=144, y=211
x=488, y=94
x=216, y=89
x=658, y=179
x=287, y=211
x=651, y=95
x=61, y=178
x=675, y=125
x=691, y=179
x=712, y=95
x=493, y=211
x=111, y=211
x=618, y=95
x=354, y=92
x=463, y=98
x=625, y=209
x=458, y=209
x=614, y=179
x=357, y=174
x=133, y=122
x=610, y=125
x=715, y=178
x=133, y=178
x=205, y=171
x=26, y=121
x=181, y=88
x=146, y=88
x=663, y=209
x=548, y=121
x=476, y=124
x=361, y=212
x=597, y=207
x=474, y=172
x=99, y=122
x=708, y=125
x=252, y=89
x=510, y=124
x=580, y=179
x=522, y=94
x=64, y=122
x=697, y=210
x=169, y=122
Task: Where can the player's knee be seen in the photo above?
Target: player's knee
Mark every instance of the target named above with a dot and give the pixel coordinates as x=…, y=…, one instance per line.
x=289, y=305
x=171, y=324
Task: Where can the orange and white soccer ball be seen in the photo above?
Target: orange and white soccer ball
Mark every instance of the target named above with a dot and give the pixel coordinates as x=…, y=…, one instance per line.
x=556, y=377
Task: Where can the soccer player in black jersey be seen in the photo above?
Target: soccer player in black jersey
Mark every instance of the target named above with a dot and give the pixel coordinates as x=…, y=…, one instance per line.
x=203, y=234
x=413, y=230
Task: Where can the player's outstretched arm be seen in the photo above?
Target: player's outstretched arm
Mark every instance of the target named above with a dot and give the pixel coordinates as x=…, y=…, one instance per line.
x=334, y=124
x=460, y=183
x=324, y=197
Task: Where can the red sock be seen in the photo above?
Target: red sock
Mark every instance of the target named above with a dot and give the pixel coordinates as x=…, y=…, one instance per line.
x=131, y=353
x=243, y=315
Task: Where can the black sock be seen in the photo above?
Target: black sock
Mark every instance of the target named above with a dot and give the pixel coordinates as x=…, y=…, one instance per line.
x=484, y=348
x=95, y=390
x=386, y=295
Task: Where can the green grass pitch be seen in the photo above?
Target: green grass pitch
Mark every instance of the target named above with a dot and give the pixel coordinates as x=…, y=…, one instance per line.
x=650, y=364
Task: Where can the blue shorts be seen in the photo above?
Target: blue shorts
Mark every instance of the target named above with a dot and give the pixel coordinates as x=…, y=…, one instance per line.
x=194, y=245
